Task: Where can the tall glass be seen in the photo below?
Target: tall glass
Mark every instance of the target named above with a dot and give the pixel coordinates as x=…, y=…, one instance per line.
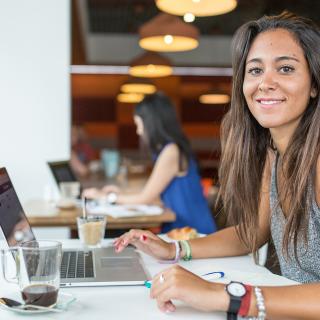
x=37, y=271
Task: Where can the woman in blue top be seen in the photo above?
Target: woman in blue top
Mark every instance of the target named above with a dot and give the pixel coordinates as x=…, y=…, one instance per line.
x=174, y=177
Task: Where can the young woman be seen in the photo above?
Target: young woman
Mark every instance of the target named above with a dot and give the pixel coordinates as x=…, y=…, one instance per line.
x=175, y=175
x=269, y=175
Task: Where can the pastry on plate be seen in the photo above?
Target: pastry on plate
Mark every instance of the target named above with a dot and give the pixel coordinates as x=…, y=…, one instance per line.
x=185, y=233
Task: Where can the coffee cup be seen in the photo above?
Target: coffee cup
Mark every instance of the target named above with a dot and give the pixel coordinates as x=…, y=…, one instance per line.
x=37, y=271
x=69, y=192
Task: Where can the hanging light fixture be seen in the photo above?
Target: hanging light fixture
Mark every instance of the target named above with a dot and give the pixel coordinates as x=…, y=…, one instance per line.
x=167, y=33
x=214, y=98
x=138, y=85
x=150, y=65
x=130, y=97
x=200, y=8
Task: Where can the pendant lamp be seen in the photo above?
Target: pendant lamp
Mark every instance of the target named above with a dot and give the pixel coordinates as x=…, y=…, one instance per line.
x=167, y=33
x=214, y=98
x=200, y=8
x=150, y=65
x=130, y=97
x=138, y=85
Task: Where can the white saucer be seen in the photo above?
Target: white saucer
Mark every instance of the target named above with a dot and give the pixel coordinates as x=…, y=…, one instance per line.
x=64, y=300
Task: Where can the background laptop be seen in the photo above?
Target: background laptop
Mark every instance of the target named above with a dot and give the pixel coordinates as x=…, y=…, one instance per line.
x=98, y=267
x=62, y=171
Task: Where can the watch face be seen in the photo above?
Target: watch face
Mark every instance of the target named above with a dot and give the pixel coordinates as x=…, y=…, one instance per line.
x=236, y=289
x=112, y=197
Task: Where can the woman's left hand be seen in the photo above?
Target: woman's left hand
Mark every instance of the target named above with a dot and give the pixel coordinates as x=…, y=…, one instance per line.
x=180, y=284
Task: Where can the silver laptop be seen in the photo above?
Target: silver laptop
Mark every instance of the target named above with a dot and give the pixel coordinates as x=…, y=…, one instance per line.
x=79, y=267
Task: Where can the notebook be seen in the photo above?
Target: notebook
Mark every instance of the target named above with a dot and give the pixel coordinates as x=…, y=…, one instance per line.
x=79, y=267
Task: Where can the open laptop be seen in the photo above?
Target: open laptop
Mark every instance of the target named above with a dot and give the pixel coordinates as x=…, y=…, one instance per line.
x=62, y=171
x=79, y=267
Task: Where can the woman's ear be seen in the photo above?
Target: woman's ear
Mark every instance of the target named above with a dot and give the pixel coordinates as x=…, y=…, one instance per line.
x=313, y=92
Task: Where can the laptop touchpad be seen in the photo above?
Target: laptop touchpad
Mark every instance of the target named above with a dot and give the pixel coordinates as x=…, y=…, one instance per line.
x=119, y=262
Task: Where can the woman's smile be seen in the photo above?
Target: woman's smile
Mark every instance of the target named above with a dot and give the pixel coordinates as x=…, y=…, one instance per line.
x=269, y=103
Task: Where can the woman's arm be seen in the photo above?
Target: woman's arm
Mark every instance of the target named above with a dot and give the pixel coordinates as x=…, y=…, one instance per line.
x=290, y=302
x=165, y=169
x=283, y=302
x=223, y=243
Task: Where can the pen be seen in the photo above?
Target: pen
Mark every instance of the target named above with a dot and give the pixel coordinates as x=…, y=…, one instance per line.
x=214, y=275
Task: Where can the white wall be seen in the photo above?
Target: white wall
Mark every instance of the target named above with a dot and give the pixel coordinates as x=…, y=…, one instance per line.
x=34, y=90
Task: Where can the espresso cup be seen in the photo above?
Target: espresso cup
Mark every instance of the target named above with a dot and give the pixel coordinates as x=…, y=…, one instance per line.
x=37, y=271
x=69, y=190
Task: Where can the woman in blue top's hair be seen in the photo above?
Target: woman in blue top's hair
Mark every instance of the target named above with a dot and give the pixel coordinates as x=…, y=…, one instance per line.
x=157, y=115
x=175, y=177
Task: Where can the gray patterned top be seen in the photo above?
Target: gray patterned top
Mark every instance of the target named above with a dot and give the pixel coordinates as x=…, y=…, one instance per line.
x=309, y=257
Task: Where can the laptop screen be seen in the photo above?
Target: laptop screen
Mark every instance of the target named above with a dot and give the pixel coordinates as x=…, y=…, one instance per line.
x=62, y=172
x=13, y=220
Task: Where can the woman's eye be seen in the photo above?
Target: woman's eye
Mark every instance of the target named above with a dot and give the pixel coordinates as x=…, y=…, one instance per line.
x=255, y=71
x=286, y=69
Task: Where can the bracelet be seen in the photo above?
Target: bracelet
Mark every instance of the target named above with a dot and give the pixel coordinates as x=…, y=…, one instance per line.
x=260, y=304
x=245, y=302
x=177, y=255
x=187, y=248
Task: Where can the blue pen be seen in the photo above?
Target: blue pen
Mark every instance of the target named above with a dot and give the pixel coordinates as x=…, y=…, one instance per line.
x=215, y=274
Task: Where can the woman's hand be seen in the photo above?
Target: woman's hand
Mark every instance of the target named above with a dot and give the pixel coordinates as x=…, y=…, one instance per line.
x=180, y=284
x=93, y=193
x=110, y=188
x=147, y=242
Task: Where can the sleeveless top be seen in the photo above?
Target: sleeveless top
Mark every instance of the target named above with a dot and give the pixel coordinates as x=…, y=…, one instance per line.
x=308, y=255
x=184, y=196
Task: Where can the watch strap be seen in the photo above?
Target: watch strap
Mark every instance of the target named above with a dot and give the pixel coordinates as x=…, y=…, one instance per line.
x=235, y=303
x=231, y=316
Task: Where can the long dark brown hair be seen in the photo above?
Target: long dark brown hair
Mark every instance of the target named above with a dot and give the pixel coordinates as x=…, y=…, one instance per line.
x=245, y=143
x=162, y=125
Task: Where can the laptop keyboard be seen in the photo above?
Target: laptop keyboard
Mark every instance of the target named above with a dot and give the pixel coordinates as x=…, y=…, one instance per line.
x=77, y=264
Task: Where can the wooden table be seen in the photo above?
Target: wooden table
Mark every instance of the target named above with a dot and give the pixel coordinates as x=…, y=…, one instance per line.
x=67, y=218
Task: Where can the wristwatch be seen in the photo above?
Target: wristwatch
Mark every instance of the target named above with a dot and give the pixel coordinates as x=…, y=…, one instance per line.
x=236, y=291
x=112, y=198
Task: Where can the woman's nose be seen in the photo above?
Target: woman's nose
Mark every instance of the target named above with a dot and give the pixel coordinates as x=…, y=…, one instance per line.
x=268, y=82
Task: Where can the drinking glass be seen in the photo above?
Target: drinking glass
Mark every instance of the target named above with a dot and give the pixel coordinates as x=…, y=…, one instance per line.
x=37, y=271
x=91, y=230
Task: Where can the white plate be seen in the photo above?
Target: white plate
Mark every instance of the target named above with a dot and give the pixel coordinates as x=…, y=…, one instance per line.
x=64, y=300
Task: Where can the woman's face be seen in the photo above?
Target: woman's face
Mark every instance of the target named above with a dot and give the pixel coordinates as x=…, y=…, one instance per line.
x=277, y=82
x=139, y=125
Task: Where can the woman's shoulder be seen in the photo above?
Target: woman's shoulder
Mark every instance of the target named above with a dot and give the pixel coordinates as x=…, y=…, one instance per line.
x=169, y=153
x=170, y=148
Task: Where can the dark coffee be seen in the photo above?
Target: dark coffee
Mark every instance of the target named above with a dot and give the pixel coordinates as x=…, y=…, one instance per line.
x=40, y=295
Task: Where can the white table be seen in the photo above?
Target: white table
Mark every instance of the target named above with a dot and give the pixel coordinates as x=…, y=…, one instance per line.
x=133, y=302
